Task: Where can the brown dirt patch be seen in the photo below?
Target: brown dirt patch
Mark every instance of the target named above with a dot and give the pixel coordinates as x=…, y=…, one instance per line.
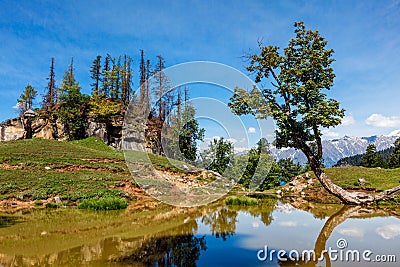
x=8, y=166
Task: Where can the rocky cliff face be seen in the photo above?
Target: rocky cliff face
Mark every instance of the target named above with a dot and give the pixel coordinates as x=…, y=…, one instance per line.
x=15, y=129
x=12, y=129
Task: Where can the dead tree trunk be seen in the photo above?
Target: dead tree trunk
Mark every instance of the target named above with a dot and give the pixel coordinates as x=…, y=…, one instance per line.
x=352, y=198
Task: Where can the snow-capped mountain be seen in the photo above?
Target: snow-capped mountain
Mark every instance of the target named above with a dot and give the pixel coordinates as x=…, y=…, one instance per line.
x=335, y=149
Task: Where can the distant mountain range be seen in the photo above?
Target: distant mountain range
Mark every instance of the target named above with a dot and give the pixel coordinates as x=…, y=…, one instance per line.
x=336, y=149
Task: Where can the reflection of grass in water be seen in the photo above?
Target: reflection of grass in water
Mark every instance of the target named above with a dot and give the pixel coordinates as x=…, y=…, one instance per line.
x=7, y=220
x=69, y=228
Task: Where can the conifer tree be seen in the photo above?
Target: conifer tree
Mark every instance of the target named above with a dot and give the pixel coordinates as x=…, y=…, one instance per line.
x=51, y=96
x=73, y=106
x=95, y=72
x=371, y=158
x=394, y=160
x=25, y=101
x=105, y=82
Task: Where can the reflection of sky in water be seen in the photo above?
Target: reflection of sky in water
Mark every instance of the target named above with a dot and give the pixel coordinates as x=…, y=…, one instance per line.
x=296, y=229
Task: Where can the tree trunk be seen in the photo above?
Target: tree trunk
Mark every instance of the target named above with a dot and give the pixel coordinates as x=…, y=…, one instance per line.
x=352, y=198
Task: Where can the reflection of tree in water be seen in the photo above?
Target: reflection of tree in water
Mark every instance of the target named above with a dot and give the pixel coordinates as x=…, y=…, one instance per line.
x=182, y=249
x=222, y=222
x=339, y=217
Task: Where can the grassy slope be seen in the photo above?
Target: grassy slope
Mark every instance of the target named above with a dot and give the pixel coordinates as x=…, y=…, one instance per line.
x=380, y=179
x=88, y=168
x=78, y=170
x=82, y=169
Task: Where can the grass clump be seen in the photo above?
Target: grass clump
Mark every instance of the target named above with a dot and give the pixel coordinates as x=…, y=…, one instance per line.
x=241, y=200
x=107, y=203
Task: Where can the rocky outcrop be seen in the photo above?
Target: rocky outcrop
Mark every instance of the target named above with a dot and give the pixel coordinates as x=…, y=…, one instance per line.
x=16, y=129
x=12, y=129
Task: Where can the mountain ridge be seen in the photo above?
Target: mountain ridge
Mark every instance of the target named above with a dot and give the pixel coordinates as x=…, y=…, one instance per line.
x=336, y=149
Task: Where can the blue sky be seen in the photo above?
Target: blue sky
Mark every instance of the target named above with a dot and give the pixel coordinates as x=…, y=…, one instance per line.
x=364, y=34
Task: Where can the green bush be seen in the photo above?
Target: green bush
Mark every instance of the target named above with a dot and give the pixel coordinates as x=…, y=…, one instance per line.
x=51, y=206
x=107, y=203
x=242, y=200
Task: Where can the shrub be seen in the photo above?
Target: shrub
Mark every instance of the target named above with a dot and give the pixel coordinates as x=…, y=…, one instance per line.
x=108, y=203
x=51, y=206
x=242, y=200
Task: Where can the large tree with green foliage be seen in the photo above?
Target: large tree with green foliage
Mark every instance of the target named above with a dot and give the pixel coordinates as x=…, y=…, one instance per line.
x=189, y=134
x=25, y=101
x=300, y=76
x=218, y=156
x=73, y=106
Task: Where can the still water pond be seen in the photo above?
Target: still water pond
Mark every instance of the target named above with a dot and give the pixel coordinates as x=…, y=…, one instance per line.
x=270, y=234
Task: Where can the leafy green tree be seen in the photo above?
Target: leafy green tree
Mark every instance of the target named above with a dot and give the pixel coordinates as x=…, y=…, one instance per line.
x=288, y=169
x=73, y=109
x=218, y=156
x=394, y=159
x=25, y=100
x=189, y=134
x=297, y=101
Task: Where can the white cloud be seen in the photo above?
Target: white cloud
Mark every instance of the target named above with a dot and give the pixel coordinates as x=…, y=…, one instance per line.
x=348, y=120
x=395, y=133
x=240, y=149
x=388, y=231
x=351, y=231
x=251, y=130
x=328, y=133
x=16, y=106
x=232, y=140
x=288, y=224
x=379, y=120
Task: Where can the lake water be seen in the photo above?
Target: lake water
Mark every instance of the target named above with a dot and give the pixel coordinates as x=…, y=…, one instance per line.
x=271, y=234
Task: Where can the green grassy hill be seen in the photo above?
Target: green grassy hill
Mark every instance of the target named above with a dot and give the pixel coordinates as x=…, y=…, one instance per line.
x=39, y=170
x=381, y=179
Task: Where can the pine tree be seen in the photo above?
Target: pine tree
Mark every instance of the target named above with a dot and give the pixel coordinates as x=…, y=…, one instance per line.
x=51, y=96
x=161, y=87
x=105, y=73
x=189, y=134
x=73, y=106
x=394, y=160
x=25, y=101
x=371, y=158
x=95, y=72
x=126, y=80
x=143, y=77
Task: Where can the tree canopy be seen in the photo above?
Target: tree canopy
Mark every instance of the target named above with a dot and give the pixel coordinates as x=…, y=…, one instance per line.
x=300, y=76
